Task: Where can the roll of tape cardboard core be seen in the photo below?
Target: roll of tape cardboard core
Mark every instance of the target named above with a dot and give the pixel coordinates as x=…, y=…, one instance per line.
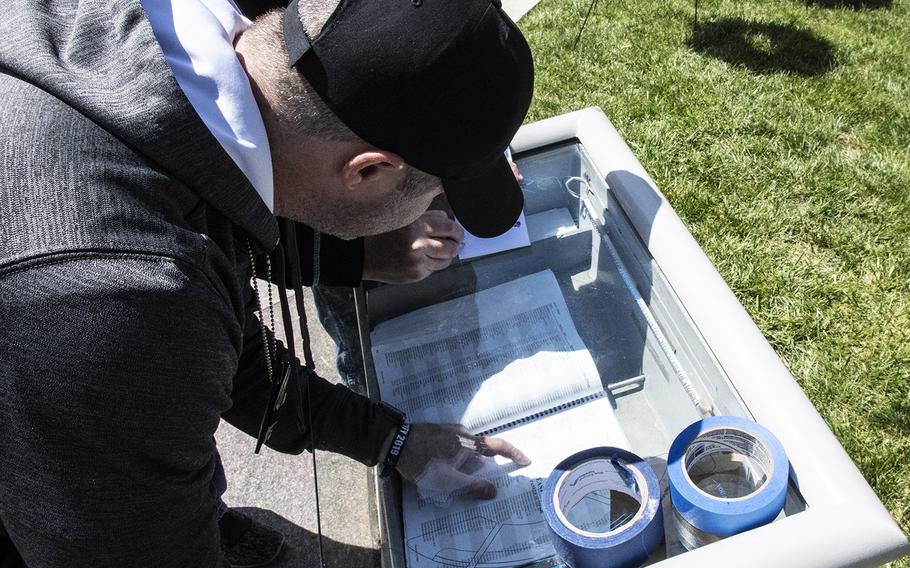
x=727, y=475
x=602, y=507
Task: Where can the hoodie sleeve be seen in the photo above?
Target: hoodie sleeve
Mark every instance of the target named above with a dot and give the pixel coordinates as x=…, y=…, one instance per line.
x=114, y=373
x=325, y=259
x=343, y=422
x=328, y=260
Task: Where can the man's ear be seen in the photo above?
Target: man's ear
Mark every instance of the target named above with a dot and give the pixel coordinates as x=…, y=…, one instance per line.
x=366, y=165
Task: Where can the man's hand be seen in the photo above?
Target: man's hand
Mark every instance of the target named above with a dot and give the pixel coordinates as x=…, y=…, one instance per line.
x=518, y=177
x=441, y=458
x=414, y=252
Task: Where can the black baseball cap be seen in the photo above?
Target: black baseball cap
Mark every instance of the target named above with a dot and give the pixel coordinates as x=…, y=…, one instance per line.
x=445, y=84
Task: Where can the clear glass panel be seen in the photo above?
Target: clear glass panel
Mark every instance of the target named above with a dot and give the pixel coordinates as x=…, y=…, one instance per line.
x=586, y=275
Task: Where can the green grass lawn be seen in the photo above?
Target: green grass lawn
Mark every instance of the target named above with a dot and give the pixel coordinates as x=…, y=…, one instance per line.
x=780, y=132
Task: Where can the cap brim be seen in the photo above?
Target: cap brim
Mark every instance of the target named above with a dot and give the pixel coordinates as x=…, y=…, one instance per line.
x=487, y=205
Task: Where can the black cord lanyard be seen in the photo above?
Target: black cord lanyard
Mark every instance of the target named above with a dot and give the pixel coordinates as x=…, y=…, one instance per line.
x=288, y=368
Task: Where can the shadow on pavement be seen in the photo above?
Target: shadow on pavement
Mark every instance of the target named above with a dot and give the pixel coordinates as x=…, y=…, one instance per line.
x=764, y=48
x=301, y=547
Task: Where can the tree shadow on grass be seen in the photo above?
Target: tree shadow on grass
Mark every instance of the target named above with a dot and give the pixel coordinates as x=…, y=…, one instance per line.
x=764, y=48
x=854, y=4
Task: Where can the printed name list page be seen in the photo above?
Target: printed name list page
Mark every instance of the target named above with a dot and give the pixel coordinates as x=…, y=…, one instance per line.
x=506, y=361
x=485, y=359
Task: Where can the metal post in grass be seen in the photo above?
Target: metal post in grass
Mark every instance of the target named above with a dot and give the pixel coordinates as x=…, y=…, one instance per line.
x=584, y=23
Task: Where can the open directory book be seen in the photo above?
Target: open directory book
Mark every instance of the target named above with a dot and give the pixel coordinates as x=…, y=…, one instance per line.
x=505, y=362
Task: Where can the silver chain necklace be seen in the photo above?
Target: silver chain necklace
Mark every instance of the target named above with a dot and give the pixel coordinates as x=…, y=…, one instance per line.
x=267, y=340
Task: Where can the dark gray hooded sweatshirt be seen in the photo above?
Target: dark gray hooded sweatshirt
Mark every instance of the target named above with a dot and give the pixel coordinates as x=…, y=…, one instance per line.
x=126, y=311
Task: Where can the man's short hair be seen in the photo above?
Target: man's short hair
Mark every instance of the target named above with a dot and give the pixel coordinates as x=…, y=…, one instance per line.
x=295, y=103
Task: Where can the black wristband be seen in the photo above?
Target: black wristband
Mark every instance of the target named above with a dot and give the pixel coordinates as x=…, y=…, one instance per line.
x=391, y=458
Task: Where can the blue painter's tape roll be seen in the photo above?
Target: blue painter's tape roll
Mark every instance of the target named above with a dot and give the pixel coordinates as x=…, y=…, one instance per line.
x=602, y=506
x=727, y=475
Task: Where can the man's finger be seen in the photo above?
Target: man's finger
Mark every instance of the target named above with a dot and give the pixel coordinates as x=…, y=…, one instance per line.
x=439, y=225
x=518, y=177
x=434, y=220
x=441, y=249
x=480, y=489
x=499, y=447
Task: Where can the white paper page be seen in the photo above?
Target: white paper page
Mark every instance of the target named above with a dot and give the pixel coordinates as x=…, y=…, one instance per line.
x=516, y=237
x=485, y=359
x=508, y=530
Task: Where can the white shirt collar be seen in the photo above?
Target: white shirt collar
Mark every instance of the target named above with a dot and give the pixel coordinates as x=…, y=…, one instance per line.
x=197, y=39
